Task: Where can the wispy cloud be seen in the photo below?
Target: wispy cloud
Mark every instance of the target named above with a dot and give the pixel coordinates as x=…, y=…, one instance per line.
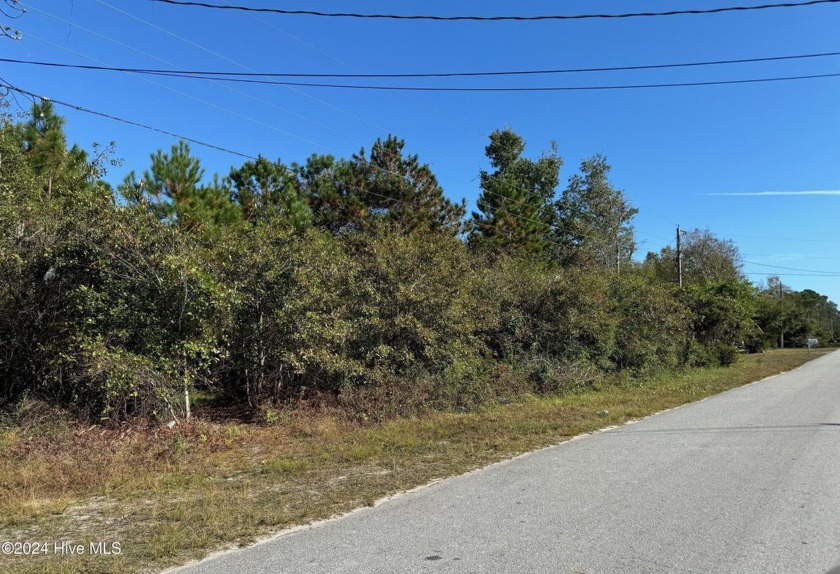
x=773, y=193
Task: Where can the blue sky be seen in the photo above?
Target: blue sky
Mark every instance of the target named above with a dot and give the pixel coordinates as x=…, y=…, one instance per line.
x=675, y=152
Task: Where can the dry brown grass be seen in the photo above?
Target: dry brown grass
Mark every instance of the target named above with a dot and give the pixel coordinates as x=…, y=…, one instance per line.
x=170, y=495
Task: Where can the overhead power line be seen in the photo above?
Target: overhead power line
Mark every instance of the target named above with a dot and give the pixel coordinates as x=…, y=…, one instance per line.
x=192, y=96
x=768, y=273
x=194, y=76
x=494, y=18
x=422, y=74
x=789, y=256
x=222, y=56
x=809, y=240
x=8, y=86
x=513, y=88
x=829, y=273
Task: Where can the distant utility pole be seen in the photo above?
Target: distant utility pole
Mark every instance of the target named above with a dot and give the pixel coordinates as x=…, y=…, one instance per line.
x=679, y=255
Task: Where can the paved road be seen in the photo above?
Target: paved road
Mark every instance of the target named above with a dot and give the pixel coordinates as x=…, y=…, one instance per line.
x=747, y=481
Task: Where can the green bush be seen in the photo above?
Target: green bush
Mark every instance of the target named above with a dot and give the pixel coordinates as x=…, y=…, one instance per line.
x=416, y=308
x=651, y=324
x=721, y=321
x=331, y=281
x=544, y=310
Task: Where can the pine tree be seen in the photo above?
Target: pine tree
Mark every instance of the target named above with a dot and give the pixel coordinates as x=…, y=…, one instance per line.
x=45, y=144
x=399, y=191
x=172, y=188
x=516, y=209
x=334, y=204
x=268, y=190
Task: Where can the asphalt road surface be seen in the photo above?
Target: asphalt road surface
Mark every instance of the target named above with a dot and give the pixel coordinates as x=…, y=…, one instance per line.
x=746, y=481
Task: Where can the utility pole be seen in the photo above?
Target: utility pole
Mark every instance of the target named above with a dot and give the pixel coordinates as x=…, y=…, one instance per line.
x=679, y=255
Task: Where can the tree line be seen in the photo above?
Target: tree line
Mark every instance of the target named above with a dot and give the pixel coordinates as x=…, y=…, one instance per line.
x=354, y=281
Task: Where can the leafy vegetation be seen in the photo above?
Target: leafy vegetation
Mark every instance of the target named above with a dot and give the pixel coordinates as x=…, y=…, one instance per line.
x=374, y=338
x=353, y=283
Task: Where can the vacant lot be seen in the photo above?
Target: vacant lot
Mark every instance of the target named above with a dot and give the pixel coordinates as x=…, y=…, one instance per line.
x=169, y=495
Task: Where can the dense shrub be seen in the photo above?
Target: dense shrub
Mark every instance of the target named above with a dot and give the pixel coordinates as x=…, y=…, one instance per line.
x=721, y=321
x=651, y=324
x=319, y=313
x=107, y=306
x=335, y=281
x=291, y=322
x=546, y=310
x=417, y=309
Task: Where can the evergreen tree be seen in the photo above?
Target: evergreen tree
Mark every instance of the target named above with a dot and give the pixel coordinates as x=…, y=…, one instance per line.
x=384, y=188
x=269, y=191
x=399, y=191
x=172, y=189
x=334, y=204
x=45, y=144
x=515, y=207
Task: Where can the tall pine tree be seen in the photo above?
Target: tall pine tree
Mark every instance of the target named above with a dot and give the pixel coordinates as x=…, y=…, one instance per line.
x=383, y=188
x=45, y=144
x=267, y=190
x=172, y=188
x=401, y=192
x=516, y=205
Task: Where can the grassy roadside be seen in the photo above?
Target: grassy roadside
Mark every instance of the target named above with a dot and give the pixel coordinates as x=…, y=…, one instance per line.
x=168, y=496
